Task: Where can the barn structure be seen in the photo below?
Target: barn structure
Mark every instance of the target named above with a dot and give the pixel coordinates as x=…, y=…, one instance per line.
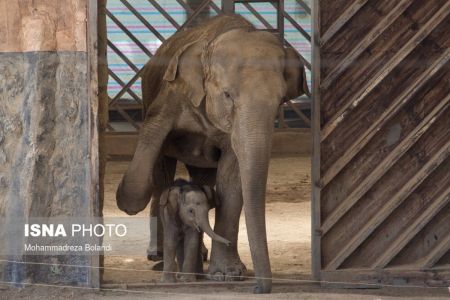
x=380, y=131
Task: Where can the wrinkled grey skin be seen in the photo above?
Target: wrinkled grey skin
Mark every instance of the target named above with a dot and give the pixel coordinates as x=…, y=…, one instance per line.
x=184, y=215
x=211, y=96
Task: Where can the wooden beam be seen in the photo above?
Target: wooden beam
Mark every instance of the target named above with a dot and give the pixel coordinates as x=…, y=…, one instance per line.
x=281, y=121
x=389, y=207
x=393, y=108
x=440, y=250
x=97, y=164
x=304, y=6
x=258, y=16
x=128, y=33
x=299, y=113
x=126, y=87
x=122, y=84
x=164, y=13
x=316, y=251
x=297, y=26
x=191, y=19
x=342, y=20
x=370, y=37
x=384, y=166
x=122, y=56
x=228, y=6
x=186, y=7
x=412, y=230
x=354, y=101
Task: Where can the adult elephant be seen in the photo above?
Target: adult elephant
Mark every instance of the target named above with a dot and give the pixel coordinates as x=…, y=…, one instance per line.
x=211, y=96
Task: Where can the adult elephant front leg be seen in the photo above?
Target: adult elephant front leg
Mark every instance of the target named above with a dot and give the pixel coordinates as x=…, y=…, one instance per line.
x=226, y=264
x=135, y=189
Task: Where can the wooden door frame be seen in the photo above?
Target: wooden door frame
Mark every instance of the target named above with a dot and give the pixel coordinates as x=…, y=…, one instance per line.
x=315, y=128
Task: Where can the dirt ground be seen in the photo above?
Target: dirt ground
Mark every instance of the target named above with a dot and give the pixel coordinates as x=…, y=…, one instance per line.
x=288, y=225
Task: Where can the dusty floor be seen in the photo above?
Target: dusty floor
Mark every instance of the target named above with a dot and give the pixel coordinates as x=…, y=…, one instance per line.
x=288, y=224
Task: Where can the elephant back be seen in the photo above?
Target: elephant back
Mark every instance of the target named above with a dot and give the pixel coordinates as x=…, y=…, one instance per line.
x=154, y=70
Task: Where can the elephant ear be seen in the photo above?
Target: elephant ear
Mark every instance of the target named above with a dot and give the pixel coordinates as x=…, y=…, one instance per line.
x=186, y=64
x=211, y=196
x=170, y=196
x=295, y=75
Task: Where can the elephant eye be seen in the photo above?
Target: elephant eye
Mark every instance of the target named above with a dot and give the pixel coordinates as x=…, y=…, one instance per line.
x=191, y=211
x=227, y=94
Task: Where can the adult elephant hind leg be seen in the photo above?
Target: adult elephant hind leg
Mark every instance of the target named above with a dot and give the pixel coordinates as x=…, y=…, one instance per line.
x=226, y=264
x=202, y=176
x=164, y=174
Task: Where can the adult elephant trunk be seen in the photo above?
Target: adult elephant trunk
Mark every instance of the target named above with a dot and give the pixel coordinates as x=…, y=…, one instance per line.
x=252, y=140
x=203, y=223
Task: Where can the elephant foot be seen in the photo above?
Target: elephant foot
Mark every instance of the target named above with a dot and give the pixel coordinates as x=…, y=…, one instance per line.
x=169, y=278
x=158, y=256
x=226, y=270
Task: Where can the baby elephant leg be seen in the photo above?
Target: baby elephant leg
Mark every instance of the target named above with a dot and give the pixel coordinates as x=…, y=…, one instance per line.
x=171, y=240
x=191, y=255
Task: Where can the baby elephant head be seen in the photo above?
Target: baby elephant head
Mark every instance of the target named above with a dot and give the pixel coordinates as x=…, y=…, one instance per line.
x=193, y=205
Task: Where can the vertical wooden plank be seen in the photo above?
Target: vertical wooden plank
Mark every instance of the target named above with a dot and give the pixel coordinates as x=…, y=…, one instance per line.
x=315, y=165
x=96, y=200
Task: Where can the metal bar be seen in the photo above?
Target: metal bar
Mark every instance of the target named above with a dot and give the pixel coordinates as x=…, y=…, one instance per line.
x=390, y=205
x=164, y=13
x=130, y=35
x=122, y=56
x=122, y=84
x=387, y=68
x=143, y=20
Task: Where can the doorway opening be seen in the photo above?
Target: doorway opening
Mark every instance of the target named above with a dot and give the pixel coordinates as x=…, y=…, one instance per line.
x=135, y=30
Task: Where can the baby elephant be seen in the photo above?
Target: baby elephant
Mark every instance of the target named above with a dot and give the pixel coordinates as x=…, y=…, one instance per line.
x=184, y=214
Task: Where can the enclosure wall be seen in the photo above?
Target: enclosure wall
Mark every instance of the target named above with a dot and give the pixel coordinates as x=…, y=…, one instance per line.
x=382, y=126
x=48, y=130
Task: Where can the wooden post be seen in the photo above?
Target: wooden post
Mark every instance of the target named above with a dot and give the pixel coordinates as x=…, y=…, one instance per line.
x=204, y=15
x=228, y=6
x=316, y=130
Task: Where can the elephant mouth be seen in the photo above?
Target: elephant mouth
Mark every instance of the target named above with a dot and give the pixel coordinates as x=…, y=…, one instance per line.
x=197, y=227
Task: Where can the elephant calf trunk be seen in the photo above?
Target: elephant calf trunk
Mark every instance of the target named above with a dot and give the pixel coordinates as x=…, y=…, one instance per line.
x=208, y=230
